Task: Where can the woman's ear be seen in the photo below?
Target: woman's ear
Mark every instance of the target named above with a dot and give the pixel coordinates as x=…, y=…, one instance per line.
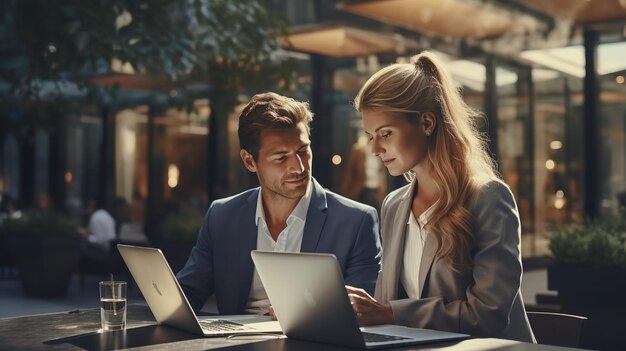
x=429, y=123
x=248, y=160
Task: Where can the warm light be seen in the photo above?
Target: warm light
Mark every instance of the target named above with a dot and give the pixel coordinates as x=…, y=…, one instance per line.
x=336, y=160
x=172, y=176
x=550, y=164
x=68, y=177
x=559, y=203
x=172, y=182
x=556, y=145
x=619, y=79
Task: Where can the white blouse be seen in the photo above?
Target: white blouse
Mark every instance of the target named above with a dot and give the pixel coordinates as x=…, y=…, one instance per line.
x=414, y=239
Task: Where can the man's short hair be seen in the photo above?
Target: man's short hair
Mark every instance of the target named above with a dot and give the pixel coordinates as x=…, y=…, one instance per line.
x=270, y=111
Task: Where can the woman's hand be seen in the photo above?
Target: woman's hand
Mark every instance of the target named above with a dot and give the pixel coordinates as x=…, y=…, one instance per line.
x=369, y=311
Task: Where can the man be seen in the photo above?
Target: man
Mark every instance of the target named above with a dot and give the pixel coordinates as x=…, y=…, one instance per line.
x=99, y=233
x=290, y=211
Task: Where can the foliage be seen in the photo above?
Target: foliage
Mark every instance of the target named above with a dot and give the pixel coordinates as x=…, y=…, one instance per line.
x=593, y=243
x=181, y=227
x=41, y=224
x=228, y=44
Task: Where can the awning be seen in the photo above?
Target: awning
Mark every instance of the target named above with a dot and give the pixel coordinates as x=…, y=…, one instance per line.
x=580, y=11
x=133, y=82
x=456, y=19
x=342, y=41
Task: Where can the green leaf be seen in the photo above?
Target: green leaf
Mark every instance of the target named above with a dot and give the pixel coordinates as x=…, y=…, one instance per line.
x=594, y=243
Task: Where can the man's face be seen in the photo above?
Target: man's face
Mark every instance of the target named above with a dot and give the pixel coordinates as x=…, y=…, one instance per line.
x=284, y=162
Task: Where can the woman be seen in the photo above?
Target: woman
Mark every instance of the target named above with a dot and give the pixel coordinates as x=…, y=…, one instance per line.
x=451, y=238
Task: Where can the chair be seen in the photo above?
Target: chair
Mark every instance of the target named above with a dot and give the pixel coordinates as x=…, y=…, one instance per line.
x=110, y=264
x=557, y=329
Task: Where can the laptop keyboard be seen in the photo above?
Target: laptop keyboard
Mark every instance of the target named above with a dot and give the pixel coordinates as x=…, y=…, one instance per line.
x=373, y=337
x=219, y=325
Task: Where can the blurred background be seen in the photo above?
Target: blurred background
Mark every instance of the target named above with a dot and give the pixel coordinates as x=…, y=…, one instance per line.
x=133, y=105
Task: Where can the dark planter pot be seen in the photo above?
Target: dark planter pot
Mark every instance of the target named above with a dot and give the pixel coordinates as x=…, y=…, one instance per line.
x=591, y=286
x=45, y=264
x=598, y=294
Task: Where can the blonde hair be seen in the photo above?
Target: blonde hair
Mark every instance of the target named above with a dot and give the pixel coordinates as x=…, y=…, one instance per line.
x=456, y=149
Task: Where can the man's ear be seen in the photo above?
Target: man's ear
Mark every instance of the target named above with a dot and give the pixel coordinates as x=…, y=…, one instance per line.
x=248, y=160
x=429, y=122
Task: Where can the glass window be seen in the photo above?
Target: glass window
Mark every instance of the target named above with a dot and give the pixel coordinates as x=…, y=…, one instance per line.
x=557, y=153
x=131, y=159
x=185, y=156
x=612, y=128
x=515, y=137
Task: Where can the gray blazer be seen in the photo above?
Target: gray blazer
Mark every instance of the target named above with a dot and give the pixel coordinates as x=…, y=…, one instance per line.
x=484, y=301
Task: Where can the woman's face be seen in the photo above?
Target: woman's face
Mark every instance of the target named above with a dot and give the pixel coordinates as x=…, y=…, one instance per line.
x=401, y=144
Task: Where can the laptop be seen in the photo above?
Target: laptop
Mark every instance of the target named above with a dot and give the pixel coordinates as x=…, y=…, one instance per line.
x=309, y=298
x=170, y=307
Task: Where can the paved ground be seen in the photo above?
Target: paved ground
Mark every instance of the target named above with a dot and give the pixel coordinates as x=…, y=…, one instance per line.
x=14, y=303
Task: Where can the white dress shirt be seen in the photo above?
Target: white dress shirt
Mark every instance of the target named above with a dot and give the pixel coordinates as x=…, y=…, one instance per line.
x=289, y=240
x=101, y=229
x=413, y=249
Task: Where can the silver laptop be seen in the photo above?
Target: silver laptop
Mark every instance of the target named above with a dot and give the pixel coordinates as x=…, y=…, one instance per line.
x=170, y=307
x=309, y=298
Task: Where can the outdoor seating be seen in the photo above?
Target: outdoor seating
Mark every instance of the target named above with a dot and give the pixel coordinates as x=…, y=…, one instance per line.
x=557, y=329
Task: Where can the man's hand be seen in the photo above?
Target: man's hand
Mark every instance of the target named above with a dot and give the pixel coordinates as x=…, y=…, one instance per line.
x=369, y=311
x=271, y=313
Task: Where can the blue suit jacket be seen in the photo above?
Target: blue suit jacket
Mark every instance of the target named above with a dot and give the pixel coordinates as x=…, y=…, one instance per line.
x=220, y=262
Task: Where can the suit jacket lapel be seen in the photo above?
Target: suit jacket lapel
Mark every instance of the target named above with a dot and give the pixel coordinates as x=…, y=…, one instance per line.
x=315, y=218
x=426, y=262
x=247, y=241
x=395, y=243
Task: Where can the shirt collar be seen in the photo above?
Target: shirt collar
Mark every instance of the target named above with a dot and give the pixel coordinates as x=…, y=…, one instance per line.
x=424, y=217
x=299, y=212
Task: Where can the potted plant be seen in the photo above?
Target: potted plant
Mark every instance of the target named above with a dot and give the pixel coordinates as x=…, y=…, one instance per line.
x=177, y=234
x=590, y=259
x=589, y=274
x=45, y=246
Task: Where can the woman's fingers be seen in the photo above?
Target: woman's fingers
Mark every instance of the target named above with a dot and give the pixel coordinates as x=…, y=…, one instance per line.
x=368, y=311
x=356, y=293
x=361, y=304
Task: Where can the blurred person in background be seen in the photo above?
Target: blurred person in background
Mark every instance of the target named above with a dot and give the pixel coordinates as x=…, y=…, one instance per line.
x=43, y=202
x=99, y=233
x=8, y=208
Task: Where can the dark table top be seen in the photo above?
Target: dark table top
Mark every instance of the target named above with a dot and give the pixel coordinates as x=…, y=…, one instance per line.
x=77, y=330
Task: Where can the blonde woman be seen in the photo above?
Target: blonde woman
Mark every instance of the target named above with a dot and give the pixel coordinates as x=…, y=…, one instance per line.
x=451, y=238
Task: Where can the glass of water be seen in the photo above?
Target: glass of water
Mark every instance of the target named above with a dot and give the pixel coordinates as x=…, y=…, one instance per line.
x=113, y=305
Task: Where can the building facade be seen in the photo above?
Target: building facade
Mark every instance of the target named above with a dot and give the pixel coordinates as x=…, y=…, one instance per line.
x=551, y=83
